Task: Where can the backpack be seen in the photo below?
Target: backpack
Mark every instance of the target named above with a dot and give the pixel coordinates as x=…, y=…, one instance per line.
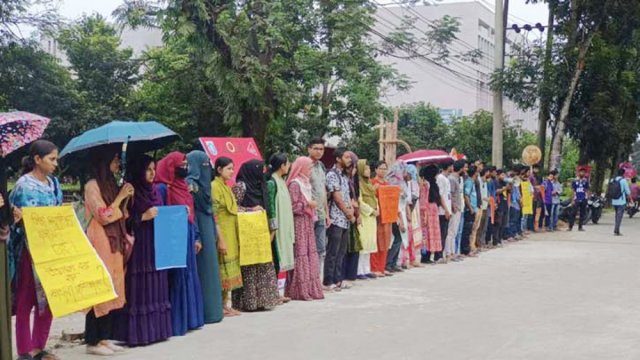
x=614, y=189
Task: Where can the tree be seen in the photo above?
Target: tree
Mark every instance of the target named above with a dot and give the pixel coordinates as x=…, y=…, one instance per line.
x=32, y=80
x=105, y=74
x=17, y=14
x=580, y=25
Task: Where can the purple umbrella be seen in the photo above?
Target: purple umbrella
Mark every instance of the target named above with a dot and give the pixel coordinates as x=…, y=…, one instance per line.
x=18, y=128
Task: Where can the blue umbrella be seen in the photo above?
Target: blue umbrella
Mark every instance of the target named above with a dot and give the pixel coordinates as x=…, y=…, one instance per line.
x=141, y=137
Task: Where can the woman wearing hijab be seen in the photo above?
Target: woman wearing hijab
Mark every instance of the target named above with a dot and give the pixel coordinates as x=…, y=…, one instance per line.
x=36, y=187
x=200, y=177
x=280, y=215
x=187, y=310
x=350, y=268
x=260, y=288
x=368, y=213
x=383, y=231
x=303, y=282
x=225, y=210
x=429, y=200
x=146, y=318
x=106, y=207
x=415, y=228
x=397, y=176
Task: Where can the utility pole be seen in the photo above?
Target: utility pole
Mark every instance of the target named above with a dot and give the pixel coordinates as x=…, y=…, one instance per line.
x=498, y=44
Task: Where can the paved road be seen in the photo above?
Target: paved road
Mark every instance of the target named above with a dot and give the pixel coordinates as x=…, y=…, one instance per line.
x=554, y=296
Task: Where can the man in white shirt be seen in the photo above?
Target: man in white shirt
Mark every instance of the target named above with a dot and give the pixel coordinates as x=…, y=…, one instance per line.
x=445, y=204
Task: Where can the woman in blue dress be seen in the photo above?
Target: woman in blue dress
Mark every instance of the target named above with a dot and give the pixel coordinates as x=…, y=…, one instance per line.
x=200, y=177
x=187, y=310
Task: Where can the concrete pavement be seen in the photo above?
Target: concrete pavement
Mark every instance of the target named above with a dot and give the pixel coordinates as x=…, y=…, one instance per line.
x=555, y=296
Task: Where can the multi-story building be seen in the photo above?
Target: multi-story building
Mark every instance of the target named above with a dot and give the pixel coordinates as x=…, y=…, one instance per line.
x=457, y=87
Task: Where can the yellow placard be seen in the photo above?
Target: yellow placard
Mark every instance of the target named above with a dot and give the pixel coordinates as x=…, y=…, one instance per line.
x=74, y=278
x=254, y=238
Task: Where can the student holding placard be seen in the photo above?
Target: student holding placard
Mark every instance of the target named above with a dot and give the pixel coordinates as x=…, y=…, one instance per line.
x=260, y=284
x=105, y=206
x=225, y=210
x=146, y=318
x=36, y=188
x=187, y=309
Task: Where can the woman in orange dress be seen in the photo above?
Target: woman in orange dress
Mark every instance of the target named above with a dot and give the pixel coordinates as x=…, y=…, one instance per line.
x=379, y=258
x=105, y=204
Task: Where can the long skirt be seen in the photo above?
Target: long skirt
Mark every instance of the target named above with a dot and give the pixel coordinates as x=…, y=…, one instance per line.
x=209, y=269
x=146, y=318
x=260, y=289
x=187, y=310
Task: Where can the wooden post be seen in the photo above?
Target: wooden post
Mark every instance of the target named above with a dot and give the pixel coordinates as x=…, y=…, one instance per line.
x=381, y=139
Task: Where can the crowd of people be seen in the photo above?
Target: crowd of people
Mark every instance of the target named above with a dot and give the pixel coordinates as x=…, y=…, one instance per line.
x=325, y=225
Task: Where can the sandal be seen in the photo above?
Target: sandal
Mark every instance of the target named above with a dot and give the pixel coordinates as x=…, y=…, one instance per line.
x=43, y=355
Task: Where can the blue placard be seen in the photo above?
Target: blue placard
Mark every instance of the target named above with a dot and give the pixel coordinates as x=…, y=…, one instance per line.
x=171, y=233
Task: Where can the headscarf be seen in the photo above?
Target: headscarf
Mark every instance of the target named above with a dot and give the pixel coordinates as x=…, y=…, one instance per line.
x=300, y=173
x=177, y=189
x=116, y=231
x=145, y=196
x=395, y=177
x=415, y=189
x=429, y=174
x=367, y=191
x=252, y=175
x=354, y=185
x=200, y=177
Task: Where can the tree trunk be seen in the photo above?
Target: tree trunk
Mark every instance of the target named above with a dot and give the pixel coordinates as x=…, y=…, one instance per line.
x=556, y=148
x=598, y=178
x=545, y=109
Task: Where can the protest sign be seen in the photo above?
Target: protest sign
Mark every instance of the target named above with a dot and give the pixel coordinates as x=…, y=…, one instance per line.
x=74, y=278
x=240, y=150
x=389, y=198
x=171, y=230
x=254, y=237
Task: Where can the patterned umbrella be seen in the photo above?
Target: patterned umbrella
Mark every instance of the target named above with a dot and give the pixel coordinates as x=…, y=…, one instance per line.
x=19, y=128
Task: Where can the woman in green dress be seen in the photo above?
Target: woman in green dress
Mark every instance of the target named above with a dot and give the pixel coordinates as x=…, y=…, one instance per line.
x=225, y=210
x=280, y=214
x=199, y=179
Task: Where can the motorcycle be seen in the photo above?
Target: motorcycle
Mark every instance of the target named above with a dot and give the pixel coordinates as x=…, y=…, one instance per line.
x=633, y=209
x=593, y=213
x=594, y=208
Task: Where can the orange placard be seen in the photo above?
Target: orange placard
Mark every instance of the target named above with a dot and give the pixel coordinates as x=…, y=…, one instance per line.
x=389, y=198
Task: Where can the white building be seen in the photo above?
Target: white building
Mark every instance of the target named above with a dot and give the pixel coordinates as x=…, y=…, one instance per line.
x=466, y=90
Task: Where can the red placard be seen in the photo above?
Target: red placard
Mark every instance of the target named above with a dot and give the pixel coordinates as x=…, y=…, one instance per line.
x=240, y=150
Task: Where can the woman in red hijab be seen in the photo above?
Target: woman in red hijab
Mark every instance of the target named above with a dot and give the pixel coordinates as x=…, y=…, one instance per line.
x=187, y=309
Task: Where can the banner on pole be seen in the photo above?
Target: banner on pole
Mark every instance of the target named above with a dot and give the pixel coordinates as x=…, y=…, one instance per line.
x=240, y=150
x=72, y=274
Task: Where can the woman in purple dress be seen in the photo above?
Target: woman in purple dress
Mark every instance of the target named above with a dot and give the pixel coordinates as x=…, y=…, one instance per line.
x=146, y=318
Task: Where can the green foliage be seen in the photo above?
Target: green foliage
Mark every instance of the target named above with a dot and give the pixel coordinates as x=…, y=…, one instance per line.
x=33, y=81
x=105, y=74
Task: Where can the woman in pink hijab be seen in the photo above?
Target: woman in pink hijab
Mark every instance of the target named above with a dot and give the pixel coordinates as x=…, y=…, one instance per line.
x=303, y=282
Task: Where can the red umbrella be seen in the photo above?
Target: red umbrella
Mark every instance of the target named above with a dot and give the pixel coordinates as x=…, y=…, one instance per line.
x=426, y=157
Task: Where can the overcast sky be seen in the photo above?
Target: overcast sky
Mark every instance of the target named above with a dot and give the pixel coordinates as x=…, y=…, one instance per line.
x=518, y=9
